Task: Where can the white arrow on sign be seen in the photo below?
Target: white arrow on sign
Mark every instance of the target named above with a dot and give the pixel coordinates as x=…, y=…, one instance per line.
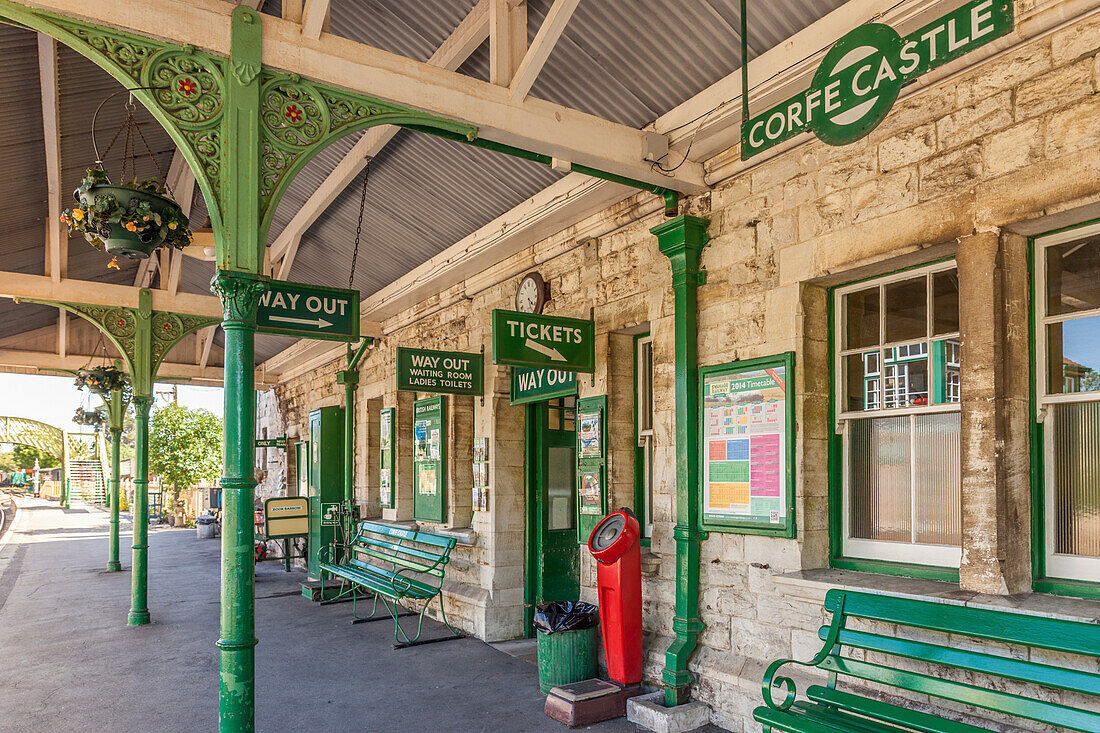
x=318, y=322
x=554, y=354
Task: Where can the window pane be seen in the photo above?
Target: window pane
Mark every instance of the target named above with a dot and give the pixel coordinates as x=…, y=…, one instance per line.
x=1077, y=479
x=945, y=302
x=559, y=489
x=645, y=385
x=863, y=381
x=905, y=376
x=1074, y=356
x=906, y=310
x=937, y=472
x=946, y=356
x=862, y=310
x=1073, y=276
x=879, y=460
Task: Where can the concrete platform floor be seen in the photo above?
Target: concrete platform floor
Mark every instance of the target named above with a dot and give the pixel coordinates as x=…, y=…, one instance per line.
x=68, y=662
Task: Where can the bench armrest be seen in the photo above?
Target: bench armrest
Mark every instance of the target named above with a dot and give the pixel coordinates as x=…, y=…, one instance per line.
x=773, y=682
x=327, y=554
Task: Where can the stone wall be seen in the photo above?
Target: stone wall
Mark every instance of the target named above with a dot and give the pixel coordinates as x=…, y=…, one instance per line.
x=952, y=172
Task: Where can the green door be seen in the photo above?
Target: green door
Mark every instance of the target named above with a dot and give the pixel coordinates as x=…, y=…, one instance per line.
x=553, y=557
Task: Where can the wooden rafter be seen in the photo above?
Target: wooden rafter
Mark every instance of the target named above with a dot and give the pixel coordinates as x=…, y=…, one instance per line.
x=549, y=32
x=451, y=54
x=314, y=14
x=57, y=238
x=536, y=125
x=507, y=39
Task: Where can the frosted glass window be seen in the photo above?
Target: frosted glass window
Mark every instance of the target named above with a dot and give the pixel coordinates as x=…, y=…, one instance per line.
x=559, y=488
x=1077, y=479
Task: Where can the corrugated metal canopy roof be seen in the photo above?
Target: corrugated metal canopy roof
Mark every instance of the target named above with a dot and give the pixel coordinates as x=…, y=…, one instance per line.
x=625, y=60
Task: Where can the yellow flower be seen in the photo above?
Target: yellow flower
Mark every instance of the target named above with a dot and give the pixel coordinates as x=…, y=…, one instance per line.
x=131, y=226
x=172, y=225
x=113, y=264
x=78, y=214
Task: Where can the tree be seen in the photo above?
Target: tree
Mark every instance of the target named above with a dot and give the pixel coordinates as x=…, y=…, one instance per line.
x=7, y=462
x=185, y=447
x=25, y=455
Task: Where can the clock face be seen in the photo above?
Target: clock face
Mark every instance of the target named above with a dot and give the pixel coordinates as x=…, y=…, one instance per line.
x=527, y=296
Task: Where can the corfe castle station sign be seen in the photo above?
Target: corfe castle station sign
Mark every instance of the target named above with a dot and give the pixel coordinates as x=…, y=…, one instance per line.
x=861, y=76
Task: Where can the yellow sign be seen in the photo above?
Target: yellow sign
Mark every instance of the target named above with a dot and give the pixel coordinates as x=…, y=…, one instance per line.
x=286, y=516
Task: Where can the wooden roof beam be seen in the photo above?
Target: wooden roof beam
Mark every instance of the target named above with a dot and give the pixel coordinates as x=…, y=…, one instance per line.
x=507, y=39
x=536, y=125
x=314, y=15
x=39, y=287
x=451, y=54
x=57, y=236
x=549, y=32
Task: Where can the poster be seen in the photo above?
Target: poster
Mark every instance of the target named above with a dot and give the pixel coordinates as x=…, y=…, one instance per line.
x=425, y=475
x=420, y=439
x=481, y=499
x=745, y=444
x=590, y=435
x=386, y=488
x=434, y=444
x=481, y=449
x=590, y=493
x=384, y=430
x=481, y=474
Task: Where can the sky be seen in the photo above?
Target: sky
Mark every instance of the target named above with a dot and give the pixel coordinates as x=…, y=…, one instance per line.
x=53, y=400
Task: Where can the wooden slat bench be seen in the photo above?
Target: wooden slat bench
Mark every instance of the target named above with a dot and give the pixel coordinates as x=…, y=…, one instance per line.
x=829, y=710
x=395, y=565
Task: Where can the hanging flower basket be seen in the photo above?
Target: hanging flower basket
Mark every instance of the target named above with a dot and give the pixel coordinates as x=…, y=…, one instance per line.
x=130, y=220
x=94, y=418
x=101, y=380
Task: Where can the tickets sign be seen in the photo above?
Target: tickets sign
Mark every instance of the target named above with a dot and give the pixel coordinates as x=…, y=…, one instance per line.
x=861, y=76
x=527, y=339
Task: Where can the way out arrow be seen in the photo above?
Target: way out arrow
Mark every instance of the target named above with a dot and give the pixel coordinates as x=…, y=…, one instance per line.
x=318, y=322
x=554, y=354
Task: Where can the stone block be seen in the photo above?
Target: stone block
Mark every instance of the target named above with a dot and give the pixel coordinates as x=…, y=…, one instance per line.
x=907, y=147
x=975, y=121
x=947, y=174
x=1080, y=39
x=1013, y=148
x=827, y=214
x=855, y=167
x=799, y=190
x=1057, y=88
x=1073, y=129
x=1007, y=71
x=649, y=712
x=885, y=193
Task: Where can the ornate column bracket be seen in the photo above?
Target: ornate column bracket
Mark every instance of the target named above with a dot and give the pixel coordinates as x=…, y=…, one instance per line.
x=240, y=295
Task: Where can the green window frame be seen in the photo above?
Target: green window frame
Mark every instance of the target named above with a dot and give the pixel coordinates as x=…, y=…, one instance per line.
x=939, y=395
x=748, y=455
x=430, y=501
x=1055, y=572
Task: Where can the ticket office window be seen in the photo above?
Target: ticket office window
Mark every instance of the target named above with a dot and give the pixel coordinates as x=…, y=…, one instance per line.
x=897, y=360
x=1067, y=354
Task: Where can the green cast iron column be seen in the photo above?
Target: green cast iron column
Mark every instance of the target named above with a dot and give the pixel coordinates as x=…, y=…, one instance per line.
x=240, y=294
x=139, y=569
x=114, y=411
x=350, y=380
x=682, y=240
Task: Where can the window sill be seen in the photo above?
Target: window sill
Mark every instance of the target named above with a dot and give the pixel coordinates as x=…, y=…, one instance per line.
x=812, y=585
x=463, y=535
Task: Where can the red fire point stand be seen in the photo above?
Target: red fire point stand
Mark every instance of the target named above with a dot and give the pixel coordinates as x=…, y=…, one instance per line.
x=615, y=544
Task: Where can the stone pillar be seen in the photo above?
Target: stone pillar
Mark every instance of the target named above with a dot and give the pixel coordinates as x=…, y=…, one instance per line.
x=994, y=560
x=403, y=458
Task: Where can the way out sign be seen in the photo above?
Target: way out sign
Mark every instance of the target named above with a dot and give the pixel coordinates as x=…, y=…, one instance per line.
x=527, y=339
x=535, y=385
x=309, y=311
x=860, y=77
x=453, y=372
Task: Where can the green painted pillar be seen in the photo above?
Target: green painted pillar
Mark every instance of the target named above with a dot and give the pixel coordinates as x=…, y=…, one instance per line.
x=114, y=412
x=682, y=240
x=139, y=569
x=240, y=294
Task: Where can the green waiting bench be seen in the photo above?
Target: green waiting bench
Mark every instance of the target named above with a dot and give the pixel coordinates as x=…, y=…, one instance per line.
x=395, y=565
x=831, y=710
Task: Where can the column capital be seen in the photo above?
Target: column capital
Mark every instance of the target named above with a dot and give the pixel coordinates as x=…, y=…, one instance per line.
x=240, y=294
x=142, y=402
x=681, y=240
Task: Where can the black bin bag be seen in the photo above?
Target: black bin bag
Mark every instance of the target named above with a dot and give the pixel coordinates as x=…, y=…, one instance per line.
x=566, y=616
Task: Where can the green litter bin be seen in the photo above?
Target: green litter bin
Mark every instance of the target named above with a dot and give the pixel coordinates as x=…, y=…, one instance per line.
x=568, y=643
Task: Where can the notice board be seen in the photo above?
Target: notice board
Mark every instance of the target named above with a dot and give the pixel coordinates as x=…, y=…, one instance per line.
x=429, y=459
x=747, y=446
x=591, y=464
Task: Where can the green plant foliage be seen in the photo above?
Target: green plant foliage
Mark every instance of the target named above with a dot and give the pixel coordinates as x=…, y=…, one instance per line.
x=24, y=457
x=101, y=380
x=96, y=212
x=185, y=447
x=7, y=462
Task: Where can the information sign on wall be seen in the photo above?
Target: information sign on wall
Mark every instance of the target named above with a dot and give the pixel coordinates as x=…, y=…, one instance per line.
x=385, y=450
x=591, y=464
x=858, y=81
x=429, y=460
x=747, y=446
x=453, y=372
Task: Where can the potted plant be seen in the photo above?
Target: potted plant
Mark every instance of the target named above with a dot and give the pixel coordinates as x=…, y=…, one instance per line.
x=95, y=418
x=130, y=220
x=101, y=380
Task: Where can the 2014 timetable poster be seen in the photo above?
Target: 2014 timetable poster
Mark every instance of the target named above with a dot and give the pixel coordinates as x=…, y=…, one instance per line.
x=744, y=449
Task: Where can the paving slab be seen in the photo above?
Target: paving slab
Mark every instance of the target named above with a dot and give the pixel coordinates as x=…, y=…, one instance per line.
x=71, y=664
